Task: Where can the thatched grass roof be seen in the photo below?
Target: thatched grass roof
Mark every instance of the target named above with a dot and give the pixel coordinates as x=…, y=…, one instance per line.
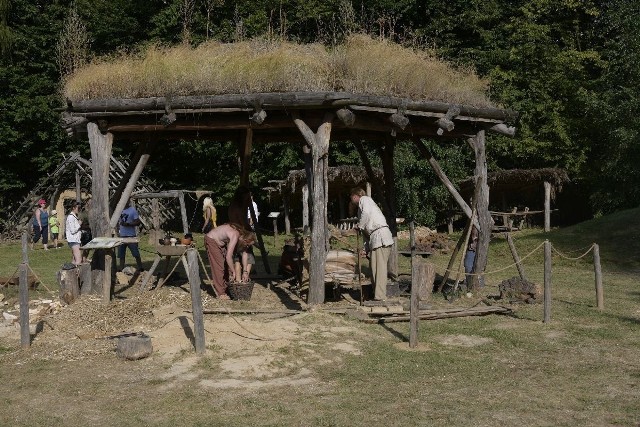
x=360, y=65
x=519, y=180
x=340, y=178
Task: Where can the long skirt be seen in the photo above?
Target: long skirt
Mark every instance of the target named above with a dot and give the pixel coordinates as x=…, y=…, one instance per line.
x=219, y=272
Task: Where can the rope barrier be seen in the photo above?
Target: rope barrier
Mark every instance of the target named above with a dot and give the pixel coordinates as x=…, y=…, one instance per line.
x=569, y=258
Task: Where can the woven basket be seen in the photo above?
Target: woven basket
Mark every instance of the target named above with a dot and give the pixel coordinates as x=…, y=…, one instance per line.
x=240, y=291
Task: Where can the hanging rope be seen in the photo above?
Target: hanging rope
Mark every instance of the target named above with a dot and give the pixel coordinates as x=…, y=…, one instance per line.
x=504, y=268
x=569, y=258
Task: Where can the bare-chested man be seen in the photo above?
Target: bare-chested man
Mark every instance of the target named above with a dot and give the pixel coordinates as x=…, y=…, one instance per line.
x=221, y=243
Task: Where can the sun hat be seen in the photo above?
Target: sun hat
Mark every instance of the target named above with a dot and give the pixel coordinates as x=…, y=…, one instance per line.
x=54, y=212
x=42, y=202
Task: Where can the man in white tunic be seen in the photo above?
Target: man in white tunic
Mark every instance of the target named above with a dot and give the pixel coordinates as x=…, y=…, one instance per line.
x=374, y=225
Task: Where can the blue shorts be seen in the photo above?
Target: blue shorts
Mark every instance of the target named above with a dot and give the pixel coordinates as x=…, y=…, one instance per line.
x=72, y=244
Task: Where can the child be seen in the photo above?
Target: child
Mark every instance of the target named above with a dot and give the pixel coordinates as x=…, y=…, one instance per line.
x=54, y=227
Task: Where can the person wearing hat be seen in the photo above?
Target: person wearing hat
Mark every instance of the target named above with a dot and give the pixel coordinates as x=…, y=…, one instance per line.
x=54, y=227
x=40, y=224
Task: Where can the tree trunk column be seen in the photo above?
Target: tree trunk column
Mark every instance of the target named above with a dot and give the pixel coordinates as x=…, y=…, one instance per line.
x=482, y=208
x=319, y=144
x=101, y=146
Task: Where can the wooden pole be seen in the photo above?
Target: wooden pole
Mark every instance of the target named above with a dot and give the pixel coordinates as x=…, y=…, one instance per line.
x=319, y=144
x=454, y=254
x=414, y=308
x=101, y=146
x=106, y=283
x=287, y=222
x=25, y=334
x=390, y=196
x=128, y=189
x=547, y=281
x=78, y=188
x=547, y=206
x=481, y=205
x=183, y=213
x=245, y=157
x=196, y=300
x=598, y=272
x=514, y=253
x=305, y=209
x=275, y=231
x=444, y=179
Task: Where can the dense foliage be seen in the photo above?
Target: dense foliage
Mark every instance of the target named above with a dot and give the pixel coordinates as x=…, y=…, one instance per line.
x=570, y=68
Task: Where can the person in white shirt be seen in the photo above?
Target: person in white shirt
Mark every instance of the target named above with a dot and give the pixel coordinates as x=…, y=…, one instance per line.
x=72, y=232
x=374, y=225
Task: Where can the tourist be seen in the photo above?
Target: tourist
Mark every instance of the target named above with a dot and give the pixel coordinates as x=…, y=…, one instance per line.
x=40, y=224
x=72, y=232
x=54, y=227
x=129, y=220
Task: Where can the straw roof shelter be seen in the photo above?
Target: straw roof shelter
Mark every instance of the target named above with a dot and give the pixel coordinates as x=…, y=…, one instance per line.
x=534, y=189
x=373, y=93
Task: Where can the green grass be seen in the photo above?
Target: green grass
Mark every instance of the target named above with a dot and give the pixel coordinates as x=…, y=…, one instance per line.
x=582, y=368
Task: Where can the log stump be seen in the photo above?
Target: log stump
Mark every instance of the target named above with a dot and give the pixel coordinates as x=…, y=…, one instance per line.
x=69, y=283
x=134, y=347
x=426, y=277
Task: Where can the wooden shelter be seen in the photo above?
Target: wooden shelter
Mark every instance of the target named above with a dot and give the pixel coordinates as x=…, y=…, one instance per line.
x=516, y=193
x=293, y=191
x=311, y=119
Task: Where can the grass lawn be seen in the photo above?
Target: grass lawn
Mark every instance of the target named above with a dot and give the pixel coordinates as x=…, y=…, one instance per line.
x=582, y=368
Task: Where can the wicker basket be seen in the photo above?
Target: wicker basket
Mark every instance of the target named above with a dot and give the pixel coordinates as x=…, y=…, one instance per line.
x=240, y=291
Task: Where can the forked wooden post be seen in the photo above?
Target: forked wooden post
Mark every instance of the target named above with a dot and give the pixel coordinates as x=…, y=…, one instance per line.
x=196, y=300
x=25, y=334
x=598, y=273
x=547, y=281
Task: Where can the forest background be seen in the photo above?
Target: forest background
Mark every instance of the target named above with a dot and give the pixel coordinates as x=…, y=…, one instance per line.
x=569, y=67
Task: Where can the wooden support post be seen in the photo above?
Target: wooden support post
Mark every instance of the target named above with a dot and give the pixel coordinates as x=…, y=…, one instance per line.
x=23, y=290
x=547, y=281
x=183, y=213
x=444, y=179
x=547, y=206
x=245, y=157
x=78, y=188
x=481, y=205
x=275, y=231
x=319, y=144
x=598, y=273
x=414, y=307
x=196, y=300
x=107, y=284
x=390, y=205
x=99, y=213
x=305, y=209
x=368, y=189
x=287, y=222
x=515, y=256
x=154, y=236
x=128, y=189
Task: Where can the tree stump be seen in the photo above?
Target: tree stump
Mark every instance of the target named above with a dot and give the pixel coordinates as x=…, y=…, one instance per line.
x=69, y=283
x=426, y=277
x=134, y=347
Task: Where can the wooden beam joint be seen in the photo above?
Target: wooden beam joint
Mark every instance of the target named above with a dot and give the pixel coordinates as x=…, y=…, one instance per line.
x=446, y=123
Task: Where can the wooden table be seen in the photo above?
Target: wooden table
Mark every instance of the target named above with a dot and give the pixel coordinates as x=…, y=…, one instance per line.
x=167, y=252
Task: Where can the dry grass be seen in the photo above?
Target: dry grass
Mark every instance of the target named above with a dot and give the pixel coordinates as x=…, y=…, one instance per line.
x=361, y=65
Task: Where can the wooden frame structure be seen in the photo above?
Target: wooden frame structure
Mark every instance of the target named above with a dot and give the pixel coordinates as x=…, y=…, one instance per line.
x=312, y=119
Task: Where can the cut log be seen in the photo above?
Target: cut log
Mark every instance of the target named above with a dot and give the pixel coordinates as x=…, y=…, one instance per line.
x=426, y=277
x=135, y=347
x=69, y=283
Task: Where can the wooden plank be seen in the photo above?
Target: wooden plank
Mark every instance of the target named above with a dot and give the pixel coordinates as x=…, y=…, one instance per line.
x=196, y=300
x=481, y=311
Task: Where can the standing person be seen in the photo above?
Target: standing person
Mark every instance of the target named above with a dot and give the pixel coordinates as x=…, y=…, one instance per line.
x=72, y=232
x=40, y=224
x=221, y=243
x=209, y=214
x=54, y=227
x=470, y=257
x=86, y=236
x=374, y=225
x=129, y=220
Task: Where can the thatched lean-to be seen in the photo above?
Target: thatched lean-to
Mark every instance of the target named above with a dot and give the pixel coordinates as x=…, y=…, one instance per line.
x=373, y=93
x=290, y=192
x=518, y=189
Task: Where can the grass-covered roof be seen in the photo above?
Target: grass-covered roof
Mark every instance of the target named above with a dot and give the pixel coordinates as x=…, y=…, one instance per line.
x=360, y=65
